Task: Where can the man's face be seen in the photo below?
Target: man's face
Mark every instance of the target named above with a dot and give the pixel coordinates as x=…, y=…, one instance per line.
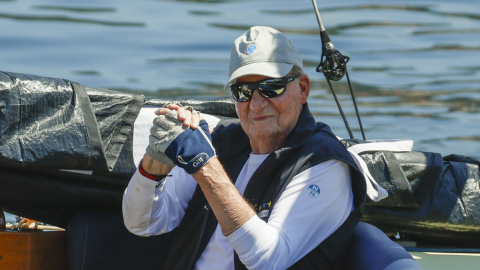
x=270, y=120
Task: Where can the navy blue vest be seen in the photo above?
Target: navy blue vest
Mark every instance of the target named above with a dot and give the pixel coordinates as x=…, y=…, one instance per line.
x=307, y=145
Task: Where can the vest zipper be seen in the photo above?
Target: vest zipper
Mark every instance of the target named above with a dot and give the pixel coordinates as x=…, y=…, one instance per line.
x=202, y=232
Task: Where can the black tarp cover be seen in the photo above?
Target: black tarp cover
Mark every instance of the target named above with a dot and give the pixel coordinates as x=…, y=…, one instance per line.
x=58, y=124
x=446, y=191
x=50, y=123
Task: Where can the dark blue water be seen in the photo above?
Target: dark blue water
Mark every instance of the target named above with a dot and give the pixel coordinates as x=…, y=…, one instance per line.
x=414, y=64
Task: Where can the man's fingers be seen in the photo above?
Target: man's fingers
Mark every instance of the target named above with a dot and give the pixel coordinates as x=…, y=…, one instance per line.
x=195, y=119
x=162, y=111
x=173, y=106
x=187, y=117
x=190, y=117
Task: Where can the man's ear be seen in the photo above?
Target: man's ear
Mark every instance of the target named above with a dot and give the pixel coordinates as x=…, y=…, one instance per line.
x=304, y=83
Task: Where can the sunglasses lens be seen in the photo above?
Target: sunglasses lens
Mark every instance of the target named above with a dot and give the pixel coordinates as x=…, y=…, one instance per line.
x=270, y=90
x=241, y=92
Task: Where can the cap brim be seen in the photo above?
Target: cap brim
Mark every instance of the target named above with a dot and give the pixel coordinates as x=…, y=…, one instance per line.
x=268, y=69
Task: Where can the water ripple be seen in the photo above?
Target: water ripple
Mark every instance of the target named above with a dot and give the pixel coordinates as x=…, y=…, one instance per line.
x=405, y=8
x=60, y=18
x=75, y=9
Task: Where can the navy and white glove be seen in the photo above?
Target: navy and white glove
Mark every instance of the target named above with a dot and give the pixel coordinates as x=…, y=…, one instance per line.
x=190, y=148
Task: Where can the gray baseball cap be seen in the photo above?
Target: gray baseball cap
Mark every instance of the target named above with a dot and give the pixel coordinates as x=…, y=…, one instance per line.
x=263, y=51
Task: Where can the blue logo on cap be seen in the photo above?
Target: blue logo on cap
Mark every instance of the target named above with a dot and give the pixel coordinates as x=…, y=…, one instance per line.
x=313, y=191
x=251, y=49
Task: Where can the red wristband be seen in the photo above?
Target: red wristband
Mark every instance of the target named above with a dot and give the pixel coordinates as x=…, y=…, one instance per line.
x=150, y=176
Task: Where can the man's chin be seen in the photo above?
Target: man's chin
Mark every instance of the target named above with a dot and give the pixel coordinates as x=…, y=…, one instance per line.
x=263, y=134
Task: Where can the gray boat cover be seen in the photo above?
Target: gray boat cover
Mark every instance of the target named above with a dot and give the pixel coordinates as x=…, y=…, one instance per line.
x=52, y=128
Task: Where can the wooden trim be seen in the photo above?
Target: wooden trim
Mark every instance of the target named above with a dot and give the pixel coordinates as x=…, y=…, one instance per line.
x=33, y=250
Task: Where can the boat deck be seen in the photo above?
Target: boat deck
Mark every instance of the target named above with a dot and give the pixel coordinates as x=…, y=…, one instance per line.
x=447, y=260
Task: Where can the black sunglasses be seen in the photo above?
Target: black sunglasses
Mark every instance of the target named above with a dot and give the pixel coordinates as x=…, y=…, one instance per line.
x=268, y=88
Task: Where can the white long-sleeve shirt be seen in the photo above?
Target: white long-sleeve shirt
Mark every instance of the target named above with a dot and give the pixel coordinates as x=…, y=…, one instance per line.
x=314, y=204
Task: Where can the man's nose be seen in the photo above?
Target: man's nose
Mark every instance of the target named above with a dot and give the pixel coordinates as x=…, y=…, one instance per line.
x=257, y=102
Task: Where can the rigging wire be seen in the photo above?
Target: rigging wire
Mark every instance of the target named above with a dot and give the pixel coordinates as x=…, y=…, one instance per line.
x=333, y=65
x=355, y=105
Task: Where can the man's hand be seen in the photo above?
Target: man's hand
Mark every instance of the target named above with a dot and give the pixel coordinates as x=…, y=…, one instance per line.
x=180, y=137
x=166, y=127
x=192, y=149
x=155, y=161
x=187, y=115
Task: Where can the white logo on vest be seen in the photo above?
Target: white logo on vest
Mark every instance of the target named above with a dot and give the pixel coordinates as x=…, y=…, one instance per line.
x=313, y=191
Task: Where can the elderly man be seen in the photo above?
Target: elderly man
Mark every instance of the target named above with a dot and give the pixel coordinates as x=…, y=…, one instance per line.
x=274, y=190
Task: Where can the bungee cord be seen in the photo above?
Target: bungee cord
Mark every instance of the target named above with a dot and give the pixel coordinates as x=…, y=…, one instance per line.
x=333, y=65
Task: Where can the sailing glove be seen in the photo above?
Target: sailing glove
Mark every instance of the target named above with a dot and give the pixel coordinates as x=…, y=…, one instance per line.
x=188, y=148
